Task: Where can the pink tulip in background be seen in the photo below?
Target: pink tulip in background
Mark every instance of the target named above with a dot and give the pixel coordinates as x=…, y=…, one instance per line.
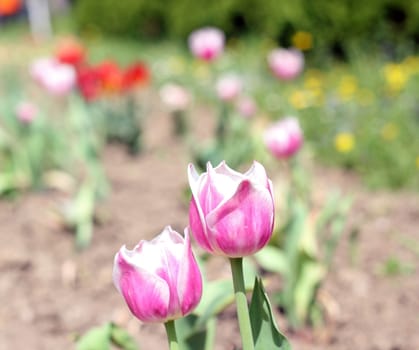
x=160, y=280
x=230, y=213
x=26, y=112
x=229, y=87
x=246, y=106
x=286, y=64
x=284, y=138
x=206, y=43
x=57, y=78
x=175, y=97
x=40, y=67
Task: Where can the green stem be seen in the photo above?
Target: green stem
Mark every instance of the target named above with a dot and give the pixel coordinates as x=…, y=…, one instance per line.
x=171, y=335
x=241, y=303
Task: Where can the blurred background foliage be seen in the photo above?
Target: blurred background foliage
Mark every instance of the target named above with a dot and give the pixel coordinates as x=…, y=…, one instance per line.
x=387, y=25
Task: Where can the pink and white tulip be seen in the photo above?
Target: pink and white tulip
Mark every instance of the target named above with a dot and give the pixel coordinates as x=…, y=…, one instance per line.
x=284, y=138
x=286, y=64
x=175, y=97
x=57, y=78
x=40, y=67
x=207, y=43
x=26, y=112
x=246, y=106
x=230, y=213
x=160, y=279
x=229, y=87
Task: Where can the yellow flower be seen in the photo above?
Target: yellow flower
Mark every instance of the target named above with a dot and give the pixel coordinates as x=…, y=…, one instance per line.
x=396, y=76
x=302, y=40
x=389, y=131
x=312, y=82
x=347, y=87
x=344, y=142
x=299, y=99
x=417, y=162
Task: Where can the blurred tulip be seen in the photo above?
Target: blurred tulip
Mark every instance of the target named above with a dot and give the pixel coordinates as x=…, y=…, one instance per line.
x=10, y=7
x=175, y=97
x=284, y=138
x=286, y=64
x=229, y=87
x=246, y=106
x=137, y=74
x=206, y=43
x=26, y=112
x=40, y=67
x=70, y=52
x=230, y=213
x=110, y=75
x=89, y=83
x=59, y=79
x=56, y=77
x=159, y=280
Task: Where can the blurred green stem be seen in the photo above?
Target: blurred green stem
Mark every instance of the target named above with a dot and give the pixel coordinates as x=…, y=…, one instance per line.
x=171, y=335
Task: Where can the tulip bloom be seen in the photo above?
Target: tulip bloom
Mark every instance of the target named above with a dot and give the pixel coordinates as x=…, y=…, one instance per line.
x=26, y=112
x=56, y=77
x=206, y=43
x=60, y=79
x=160, y=280
x=230, y=213
x=246, y=106
x=284, y=138
x=137, y=74
x=175, y=97
x=286, y=64
x=229, y=87
x=71, y=52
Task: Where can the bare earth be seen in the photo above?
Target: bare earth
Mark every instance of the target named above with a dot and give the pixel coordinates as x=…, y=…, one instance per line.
x=50, y=293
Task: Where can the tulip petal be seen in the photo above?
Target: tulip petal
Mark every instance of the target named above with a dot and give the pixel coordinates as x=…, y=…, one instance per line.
x=197, y=226
x=257, y=174
x=224, y=169
x=146, y=294
x=243, y=224
x=189, y=280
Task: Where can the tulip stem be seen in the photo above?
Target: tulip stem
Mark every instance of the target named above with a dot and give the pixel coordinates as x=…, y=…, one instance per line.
x=171, y=335
x=241, y=303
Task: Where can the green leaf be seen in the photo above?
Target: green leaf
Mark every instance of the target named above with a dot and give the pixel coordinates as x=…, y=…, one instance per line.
x=121, y=338
x=272, y=259
x=312, y=273
x=193, y=334
x=219, y=294
x=264, y=329
x=98, y=338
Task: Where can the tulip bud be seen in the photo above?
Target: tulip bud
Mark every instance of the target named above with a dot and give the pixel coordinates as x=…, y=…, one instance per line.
x=230, y=213
x=284, y=138
x=160, y=280
x=206, y=43
x=286, y=64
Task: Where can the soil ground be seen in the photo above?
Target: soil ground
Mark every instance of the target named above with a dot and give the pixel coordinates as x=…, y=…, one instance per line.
x=49, y=292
